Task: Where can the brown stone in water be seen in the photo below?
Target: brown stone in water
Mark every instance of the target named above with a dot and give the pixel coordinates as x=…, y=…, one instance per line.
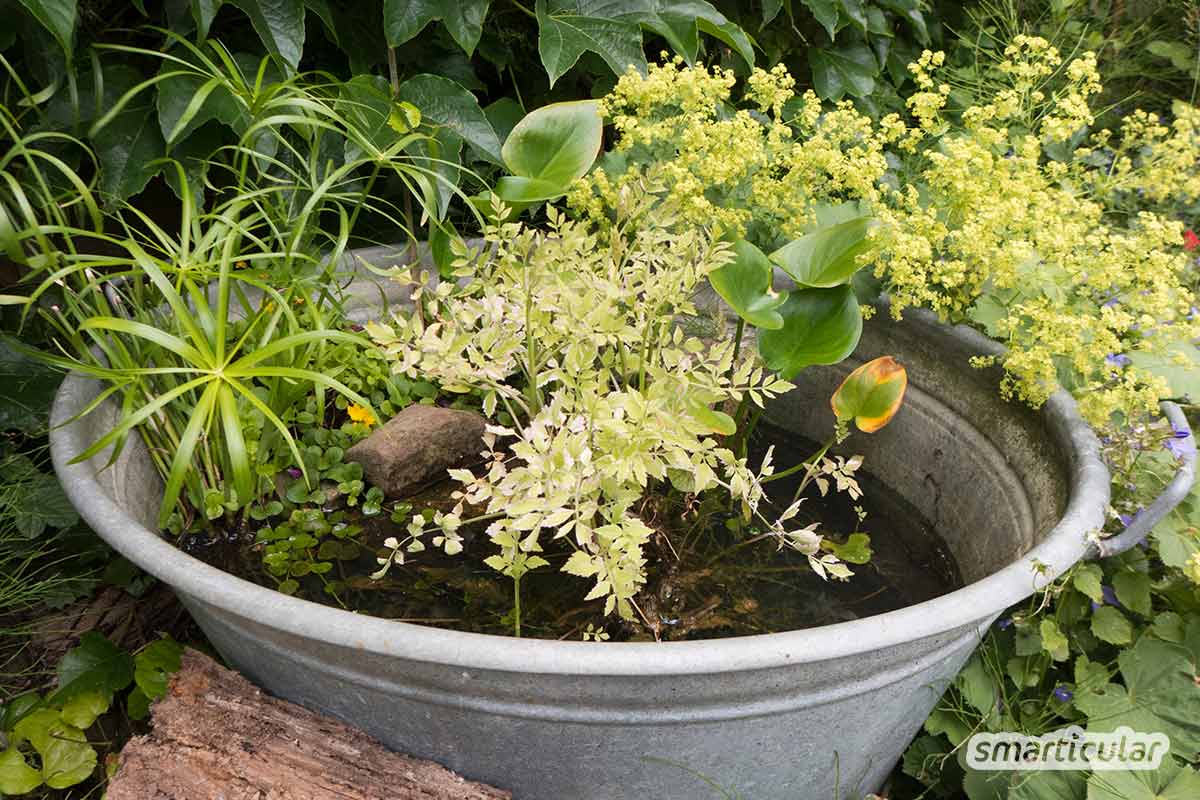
x=417, y=446
x=217, y=736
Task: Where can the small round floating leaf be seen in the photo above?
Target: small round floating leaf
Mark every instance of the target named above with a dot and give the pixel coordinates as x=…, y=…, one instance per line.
x=745, y=284
x=820, y=326
x=871, y=395
x=829, y=255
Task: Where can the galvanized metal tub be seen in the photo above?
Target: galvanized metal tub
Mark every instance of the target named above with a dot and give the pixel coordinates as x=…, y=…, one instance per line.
x=819, y=713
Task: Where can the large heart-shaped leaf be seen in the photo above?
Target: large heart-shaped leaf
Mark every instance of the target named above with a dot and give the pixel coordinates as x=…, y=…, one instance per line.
x=745, y=284
x=404, y=19
x=56, y=16
x=680, y=22
x=445, y=102
x=820, y=326
x=280, y=26
x=850, y=69
x=828, y=256
x=569, y=28
x=549, y=149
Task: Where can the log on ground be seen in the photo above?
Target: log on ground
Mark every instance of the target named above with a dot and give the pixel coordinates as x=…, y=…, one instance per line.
x=216, y=735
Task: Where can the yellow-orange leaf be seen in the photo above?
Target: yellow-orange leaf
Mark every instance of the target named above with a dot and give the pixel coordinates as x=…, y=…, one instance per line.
x=871, y=395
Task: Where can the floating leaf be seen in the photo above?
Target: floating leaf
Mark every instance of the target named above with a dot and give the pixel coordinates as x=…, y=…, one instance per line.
x=745, y=284
x=855, y=550
x=828, y=256
x=820, y=326
x=871, y=395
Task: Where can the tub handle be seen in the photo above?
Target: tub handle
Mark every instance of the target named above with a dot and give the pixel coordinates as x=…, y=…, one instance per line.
x=1179, y=487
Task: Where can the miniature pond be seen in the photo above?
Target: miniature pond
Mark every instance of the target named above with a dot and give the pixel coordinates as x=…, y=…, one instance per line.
x=705, y=589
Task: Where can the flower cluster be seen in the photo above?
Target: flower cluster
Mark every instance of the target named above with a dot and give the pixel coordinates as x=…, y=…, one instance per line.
x=757, y=172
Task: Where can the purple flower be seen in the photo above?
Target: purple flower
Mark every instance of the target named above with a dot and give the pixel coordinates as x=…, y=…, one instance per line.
x=1062, y=694
x=1127, y=519
x=1005, y=623
x=294, y=472
x=1110, y=597
x=1110, y=302
x=1180, y=443
x=1118, y=360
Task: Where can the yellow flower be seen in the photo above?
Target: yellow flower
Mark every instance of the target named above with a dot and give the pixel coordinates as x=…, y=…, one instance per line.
x=361, y=415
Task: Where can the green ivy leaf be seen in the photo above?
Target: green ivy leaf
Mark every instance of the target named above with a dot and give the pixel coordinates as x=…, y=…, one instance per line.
x=846, y=70
x=27, y=387
x=203, y=12
x=130, y=145
x=549, y=149
x=569, y=28
x=820, y=326
x=58, y=17
x=1088, y=578
x=35, y=501
x=745, y=284
x=444, y=102
x=404, y=19
x=83, y=709
x=67, y=757
x=826, y=13
x=1133, y=590
x=828, y=256
x=154, y=665
x=1053, y=640
x=280, y=26
x=681, y=23
x=977, y=686
x=95, y=664
x=16, y=776
x=1111, y=626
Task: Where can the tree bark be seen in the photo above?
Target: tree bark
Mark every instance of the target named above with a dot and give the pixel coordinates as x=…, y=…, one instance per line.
x=216, y=735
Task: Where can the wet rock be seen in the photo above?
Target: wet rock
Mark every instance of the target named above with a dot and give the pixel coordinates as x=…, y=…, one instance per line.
x=417, y=446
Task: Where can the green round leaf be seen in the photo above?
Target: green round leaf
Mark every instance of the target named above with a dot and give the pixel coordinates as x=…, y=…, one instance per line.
x=16, y=776
x=820, y=326
x=745, y=284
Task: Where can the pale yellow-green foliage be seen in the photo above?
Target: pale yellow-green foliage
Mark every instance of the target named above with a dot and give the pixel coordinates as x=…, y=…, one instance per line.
x=607, y=388
x=978, y=221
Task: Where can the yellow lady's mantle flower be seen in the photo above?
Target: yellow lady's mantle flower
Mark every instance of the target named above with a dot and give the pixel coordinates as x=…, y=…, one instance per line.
x=361, y=415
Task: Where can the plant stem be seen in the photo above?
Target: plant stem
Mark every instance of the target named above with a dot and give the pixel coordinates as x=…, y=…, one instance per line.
x=393, y=72
x=517, y=607
x=802, y=465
